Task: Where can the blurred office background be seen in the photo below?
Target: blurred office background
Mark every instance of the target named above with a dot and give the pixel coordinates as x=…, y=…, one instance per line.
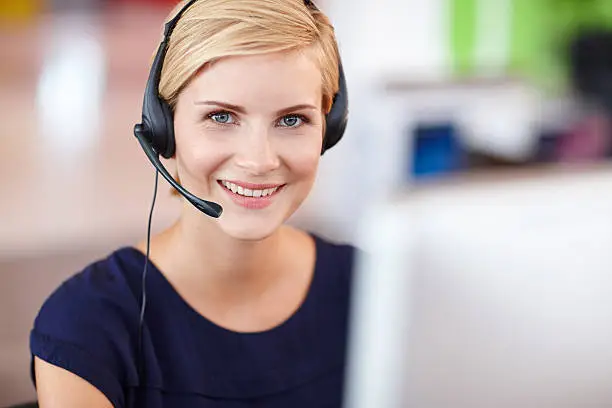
x=437, y=88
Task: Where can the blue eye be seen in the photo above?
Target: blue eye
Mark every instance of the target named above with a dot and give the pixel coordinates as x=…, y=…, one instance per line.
x=223, y=118
x=291, y=121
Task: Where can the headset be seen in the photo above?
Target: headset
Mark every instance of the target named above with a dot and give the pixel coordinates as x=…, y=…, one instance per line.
x=156, y=131
x=155, y=134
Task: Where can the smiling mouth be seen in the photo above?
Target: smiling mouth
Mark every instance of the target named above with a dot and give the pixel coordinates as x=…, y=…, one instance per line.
x=251, y=193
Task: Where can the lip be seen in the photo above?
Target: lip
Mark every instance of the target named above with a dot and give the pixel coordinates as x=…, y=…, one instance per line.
x=252, y=203
x=252, y=186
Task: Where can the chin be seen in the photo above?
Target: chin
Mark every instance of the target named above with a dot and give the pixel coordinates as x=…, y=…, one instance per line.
x=249, y=230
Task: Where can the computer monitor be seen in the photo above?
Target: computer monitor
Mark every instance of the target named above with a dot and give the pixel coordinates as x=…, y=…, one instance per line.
x=486, y=291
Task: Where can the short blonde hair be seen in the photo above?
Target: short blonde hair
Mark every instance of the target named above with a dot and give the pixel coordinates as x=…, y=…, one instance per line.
x=213, y=29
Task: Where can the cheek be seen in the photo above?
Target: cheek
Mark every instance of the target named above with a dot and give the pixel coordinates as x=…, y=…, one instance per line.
x=303, y=163
x=198, y=159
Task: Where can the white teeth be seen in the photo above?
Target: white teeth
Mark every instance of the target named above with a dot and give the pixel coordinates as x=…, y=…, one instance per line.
x=248, y=192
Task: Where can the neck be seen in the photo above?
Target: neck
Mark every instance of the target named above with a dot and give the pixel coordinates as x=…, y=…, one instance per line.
x=214, y=264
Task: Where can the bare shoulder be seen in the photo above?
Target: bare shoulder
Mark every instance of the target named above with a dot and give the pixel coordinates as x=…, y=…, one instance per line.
x=57, y=387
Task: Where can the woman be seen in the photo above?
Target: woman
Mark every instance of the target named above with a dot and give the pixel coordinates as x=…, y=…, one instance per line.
x=241, y=310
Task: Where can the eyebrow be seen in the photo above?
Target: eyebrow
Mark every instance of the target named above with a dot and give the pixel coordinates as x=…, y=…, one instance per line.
x=241, y=109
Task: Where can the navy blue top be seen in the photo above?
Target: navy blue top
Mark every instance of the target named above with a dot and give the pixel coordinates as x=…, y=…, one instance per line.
x=89, y=326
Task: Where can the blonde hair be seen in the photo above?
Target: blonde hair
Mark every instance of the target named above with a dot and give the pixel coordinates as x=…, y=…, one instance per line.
x=213, y=29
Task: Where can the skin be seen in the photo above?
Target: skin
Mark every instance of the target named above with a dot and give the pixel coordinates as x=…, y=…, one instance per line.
x=246, y=271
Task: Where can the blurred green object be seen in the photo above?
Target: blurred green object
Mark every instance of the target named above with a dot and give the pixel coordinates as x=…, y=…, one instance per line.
x=463, y=35
x=528, y=40
x=561, y=21
x=539, y=37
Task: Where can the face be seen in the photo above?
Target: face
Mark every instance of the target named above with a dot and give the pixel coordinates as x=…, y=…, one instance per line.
x=249, y=131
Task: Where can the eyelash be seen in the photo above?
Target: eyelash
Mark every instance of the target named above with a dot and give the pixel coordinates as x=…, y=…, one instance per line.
x=305, y=120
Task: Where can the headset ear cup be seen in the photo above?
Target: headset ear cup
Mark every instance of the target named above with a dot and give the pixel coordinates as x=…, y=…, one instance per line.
x=337, y=118
x=158, y=120
x=157, y=116
x=168, y=136
x=336, y=121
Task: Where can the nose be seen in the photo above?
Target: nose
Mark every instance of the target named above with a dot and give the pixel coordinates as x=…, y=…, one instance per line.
x=257, y=155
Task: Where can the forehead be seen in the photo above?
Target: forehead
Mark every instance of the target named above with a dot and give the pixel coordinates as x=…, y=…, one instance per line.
x=260, y=82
